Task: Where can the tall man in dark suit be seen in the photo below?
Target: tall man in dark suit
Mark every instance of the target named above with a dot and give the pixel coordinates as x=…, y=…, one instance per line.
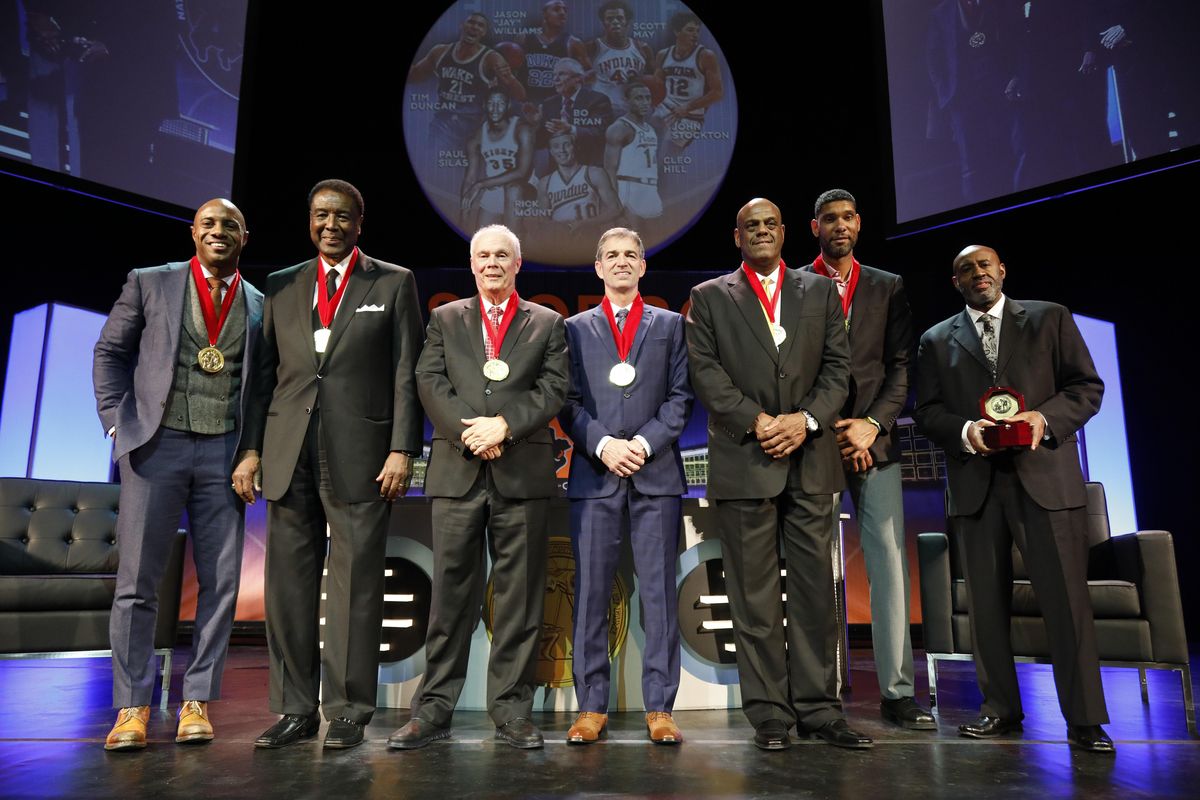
x=629, y=402
x=1032, y=496
x=171, y=389
x=337, y=420
x=879, y=324
x=492, y=375
x=770, y=361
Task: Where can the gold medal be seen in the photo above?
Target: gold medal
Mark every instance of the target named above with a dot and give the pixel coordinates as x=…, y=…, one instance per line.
x=1001, y=405
x=495, y=370
x=622, y=374
x=211, y=360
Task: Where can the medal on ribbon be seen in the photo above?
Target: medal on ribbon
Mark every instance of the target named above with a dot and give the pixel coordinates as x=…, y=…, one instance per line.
x=210, y=358
x=623, y=373
x=326, y=305
x=496, y=368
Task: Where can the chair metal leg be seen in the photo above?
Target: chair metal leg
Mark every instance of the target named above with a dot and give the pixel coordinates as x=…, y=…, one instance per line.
x=931, y=667
x=1189, y=708
x=1142, y=680
x=166, y=680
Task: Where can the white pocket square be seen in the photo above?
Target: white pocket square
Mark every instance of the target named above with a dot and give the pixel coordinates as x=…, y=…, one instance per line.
x=369, y=307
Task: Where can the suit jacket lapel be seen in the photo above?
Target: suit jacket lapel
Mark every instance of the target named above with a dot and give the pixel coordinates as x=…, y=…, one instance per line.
x=599, y=324
x=515, y=330
x=473, y=326
x=639, y=337
x=738, y=286
x=361, y=280
x=791, y=298
x=1011, y=333
x=306, y=279
x=964, y=333
x=175, y=288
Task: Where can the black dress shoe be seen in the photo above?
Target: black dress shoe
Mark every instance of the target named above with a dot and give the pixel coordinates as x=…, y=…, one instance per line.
x=905, y=712
x=417, y=733
x=772, y=735
x=290, y=729
x=839, y=734
x=520, y=733
x=987, y=727
x=1091, y=738
x=342, y=734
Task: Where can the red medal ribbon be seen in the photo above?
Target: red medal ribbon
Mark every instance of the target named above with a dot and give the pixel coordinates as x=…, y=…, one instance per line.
x=851, y=282
x=624, y=336
x=326, y=305
x=211, y=321
x=768, y=306
x=496, y=335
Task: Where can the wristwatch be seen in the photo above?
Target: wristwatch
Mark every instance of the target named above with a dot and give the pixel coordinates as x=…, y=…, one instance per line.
x=810, y=421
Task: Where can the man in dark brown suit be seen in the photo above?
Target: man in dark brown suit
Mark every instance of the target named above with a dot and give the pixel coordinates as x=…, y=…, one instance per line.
x=770, y=361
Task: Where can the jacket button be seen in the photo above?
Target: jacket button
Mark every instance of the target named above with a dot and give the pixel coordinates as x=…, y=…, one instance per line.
x=307, y=410
x=621, y=434
x=319, y=376
x=487, y=391
x=783, y=374
x=628, y=395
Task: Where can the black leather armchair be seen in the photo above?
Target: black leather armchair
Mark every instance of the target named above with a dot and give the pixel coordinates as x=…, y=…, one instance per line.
x=1134, y=590
x=58, y=565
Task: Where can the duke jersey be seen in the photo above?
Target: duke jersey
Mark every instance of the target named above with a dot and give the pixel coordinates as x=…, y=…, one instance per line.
x=540, y=59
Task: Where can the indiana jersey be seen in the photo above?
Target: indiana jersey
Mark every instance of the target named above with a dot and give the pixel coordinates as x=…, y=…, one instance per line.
x=614, y=68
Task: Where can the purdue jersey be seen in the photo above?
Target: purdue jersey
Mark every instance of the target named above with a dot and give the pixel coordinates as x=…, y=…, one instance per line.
x=571, y=200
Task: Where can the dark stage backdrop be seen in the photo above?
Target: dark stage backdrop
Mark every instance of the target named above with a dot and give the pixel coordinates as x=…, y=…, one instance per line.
x=321, y=98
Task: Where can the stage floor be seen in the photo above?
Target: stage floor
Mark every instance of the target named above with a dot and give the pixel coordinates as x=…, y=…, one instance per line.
x=54, y=716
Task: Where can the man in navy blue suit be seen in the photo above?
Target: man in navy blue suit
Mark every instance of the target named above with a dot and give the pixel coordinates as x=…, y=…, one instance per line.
x=628, y=403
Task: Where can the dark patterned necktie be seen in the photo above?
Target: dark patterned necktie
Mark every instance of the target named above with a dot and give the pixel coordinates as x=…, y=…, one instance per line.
x=621, y=315
x=488, y=349
x=988, y=339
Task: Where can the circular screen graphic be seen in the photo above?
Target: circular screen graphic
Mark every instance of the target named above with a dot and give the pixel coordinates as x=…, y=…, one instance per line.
x=563, y=119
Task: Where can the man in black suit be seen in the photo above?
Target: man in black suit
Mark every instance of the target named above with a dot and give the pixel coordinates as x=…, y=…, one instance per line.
x=1033, y=496
x=879, y=324
x=769, y=359
x=492, y=375
x=337, y=420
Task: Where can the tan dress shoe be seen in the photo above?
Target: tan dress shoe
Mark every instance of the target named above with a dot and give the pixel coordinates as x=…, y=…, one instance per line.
x=663, y=729
x=589, y=726
x=130, y=731
x=194, y=726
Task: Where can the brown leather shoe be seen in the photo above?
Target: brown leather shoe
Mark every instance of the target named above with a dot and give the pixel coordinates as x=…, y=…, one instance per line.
x=129, y=733
x=194, y=727
x=663, y=729
x=589, y=726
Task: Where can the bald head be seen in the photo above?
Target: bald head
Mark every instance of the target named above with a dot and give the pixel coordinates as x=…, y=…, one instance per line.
x=979, y=276
x=759, y=234
x=219, y=232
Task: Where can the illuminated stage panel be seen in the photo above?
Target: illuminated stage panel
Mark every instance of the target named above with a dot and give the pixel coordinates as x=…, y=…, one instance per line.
x=21, y=389
x=1106, y=450
x=50, y=429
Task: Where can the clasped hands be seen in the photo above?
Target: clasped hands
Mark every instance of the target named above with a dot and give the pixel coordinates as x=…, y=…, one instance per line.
x=854, y=438
x=485, y=436
x=623, y=457
x=780, y=436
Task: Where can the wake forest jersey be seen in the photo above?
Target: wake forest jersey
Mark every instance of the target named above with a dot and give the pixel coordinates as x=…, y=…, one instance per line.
x=460, y=84
x=499, y=154
x=615, y=68
x=540, y=59
x=573, y=199
x=684, y=79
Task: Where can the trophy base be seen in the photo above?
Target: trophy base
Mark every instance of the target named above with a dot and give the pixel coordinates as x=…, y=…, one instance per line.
x=1008, y=434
